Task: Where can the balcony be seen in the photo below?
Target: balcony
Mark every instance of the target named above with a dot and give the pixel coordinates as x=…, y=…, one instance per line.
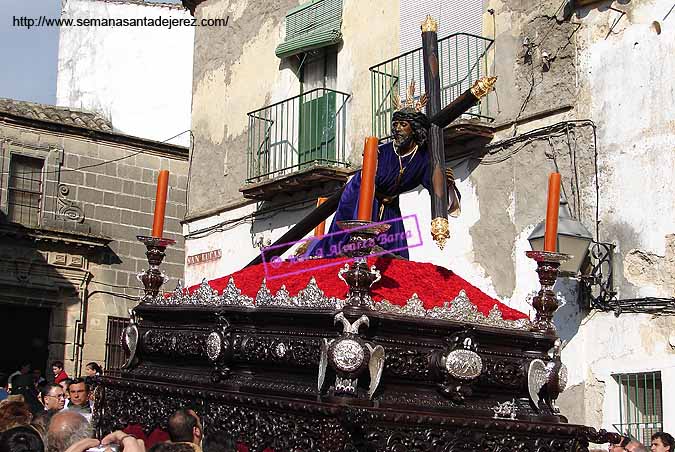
x=297, y=143
x=462, y=61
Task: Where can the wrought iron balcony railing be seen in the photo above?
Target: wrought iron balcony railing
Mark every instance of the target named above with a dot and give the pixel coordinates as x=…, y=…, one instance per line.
x=462, y=60
x=297, y=133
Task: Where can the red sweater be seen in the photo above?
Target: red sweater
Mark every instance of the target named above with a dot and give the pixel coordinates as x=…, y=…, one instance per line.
x=60, y=377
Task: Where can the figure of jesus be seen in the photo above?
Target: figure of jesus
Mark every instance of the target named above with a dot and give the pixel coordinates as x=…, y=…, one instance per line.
x=403, y=164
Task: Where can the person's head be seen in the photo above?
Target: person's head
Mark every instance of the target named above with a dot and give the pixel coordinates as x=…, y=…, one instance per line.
x=65, y=384
x=53, y=397
x=65, y=429
x=635, y=446
x=218, y=442
x=92, y=369
x=409, y=126
x=57, y=367
x=171, y=447
x=185, y=426
x=663, y=442
x=37, y=374
x=14, y=413
x=41, y=422
x=78, y=392
x=25, y=368
x=21, y=439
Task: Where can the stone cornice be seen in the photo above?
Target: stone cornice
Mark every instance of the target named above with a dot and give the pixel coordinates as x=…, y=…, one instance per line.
x=155, y=147
x=54, y=235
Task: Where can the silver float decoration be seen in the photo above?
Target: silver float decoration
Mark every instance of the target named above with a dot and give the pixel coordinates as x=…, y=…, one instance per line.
x=348, y=356
x=312, y=297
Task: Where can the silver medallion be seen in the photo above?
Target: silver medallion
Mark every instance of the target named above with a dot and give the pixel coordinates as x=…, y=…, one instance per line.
x=348, y=355
x=464, y=364
x=214, y=346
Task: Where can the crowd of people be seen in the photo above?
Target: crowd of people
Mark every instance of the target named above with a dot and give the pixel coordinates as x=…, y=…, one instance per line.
x=41, y=416
x=660, y=442
x=62, y=392
x=64, y=430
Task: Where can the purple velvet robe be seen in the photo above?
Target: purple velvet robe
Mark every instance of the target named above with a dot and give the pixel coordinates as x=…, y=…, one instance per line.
x=417, y=169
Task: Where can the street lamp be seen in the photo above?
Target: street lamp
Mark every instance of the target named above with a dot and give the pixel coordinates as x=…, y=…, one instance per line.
x=573, y=239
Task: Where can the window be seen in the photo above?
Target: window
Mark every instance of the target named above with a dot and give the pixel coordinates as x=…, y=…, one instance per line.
x=640, y=405
x=453, y=16
x=312, y=25
x=114, y=353
x=25, y=190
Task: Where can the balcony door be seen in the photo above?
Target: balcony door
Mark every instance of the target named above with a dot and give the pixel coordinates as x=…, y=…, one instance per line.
x=317, y=131
x=317, y=128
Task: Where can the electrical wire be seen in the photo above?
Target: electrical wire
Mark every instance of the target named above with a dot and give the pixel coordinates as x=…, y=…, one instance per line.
x=258, y=215
x=105, y=162
x=496, y=152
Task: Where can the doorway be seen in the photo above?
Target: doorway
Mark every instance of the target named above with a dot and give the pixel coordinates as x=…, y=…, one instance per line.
x=24, y=335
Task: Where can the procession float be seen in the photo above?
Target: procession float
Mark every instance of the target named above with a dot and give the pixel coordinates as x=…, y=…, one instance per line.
x=359, y=350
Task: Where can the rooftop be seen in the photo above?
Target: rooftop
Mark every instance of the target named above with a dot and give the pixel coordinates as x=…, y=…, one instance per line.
x=63, y=115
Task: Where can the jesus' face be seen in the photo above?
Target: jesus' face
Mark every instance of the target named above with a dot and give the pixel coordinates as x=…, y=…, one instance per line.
x=403, y=134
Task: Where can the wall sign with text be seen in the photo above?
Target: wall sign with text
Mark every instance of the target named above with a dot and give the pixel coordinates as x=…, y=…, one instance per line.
x=207, y=256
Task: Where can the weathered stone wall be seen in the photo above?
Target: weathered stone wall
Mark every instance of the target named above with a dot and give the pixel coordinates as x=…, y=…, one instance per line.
x=111, y=188
x=580, y=91
x=236, y=71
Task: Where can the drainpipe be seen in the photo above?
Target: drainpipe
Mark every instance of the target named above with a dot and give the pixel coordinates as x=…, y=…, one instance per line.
x=81, y=324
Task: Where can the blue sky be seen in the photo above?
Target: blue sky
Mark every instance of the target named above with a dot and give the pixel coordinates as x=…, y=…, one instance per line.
x=29, y=57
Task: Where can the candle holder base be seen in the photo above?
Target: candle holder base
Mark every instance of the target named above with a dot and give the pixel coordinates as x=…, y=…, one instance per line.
x=545, y=303
x=358, y=276
x=153, y=278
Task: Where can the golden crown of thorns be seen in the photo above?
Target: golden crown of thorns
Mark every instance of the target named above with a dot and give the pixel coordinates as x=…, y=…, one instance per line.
x=410, y=101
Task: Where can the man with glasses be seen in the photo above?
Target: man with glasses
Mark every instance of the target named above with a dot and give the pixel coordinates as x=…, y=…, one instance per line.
x=53, y=398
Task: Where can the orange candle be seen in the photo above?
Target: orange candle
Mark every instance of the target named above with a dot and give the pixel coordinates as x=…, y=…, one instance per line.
x=160, y=203
x=551, y=234
x=367, y=192
x=320, y=230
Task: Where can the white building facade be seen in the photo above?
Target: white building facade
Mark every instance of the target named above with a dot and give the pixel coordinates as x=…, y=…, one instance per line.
x=581, y=91
x=138, y=77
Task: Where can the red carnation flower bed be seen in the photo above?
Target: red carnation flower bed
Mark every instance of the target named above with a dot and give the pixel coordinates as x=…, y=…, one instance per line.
x=434, y=285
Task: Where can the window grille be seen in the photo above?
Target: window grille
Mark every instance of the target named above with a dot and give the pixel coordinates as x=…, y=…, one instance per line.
x=114, y=353
x=25, y=190
x=640, y=405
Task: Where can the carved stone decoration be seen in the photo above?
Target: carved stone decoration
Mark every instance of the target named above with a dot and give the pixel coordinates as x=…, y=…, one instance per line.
x=348, y=356
x=67, y=208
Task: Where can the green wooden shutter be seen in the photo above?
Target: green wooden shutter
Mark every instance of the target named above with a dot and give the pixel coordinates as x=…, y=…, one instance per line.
x=317, y=130
x=312, y=25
